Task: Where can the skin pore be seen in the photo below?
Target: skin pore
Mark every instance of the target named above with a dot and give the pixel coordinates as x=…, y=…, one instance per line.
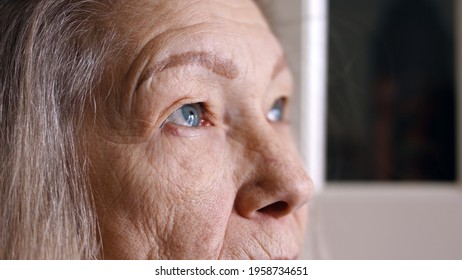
x=193, y=158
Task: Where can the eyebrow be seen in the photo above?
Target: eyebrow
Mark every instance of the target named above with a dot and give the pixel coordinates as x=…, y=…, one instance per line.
x=222, y=67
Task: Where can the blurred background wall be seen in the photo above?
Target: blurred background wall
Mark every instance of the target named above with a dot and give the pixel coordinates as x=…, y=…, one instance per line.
x=389, y=186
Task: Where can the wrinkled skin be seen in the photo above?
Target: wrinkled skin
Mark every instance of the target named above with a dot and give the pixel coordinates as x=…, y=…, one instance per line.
x=231, y=188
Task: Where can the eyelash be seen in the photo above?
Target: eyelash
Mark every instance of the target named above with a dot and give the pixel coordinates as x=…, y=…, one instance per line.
x=195, y=115
x=189, y=115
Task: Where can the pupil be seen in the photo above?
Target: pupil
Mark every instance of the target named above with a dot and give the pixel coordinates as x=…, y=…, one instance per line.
x=276, y=111
x=190, y=115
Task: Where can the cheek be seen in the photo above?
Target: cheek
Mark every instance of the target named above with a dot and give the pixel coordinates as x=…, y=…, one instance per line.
x=202, y=193
x=179, y=197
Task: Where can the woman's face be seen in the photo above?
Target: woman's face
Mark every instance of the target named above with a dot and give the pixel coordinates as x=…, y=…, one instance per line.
x=193, y=158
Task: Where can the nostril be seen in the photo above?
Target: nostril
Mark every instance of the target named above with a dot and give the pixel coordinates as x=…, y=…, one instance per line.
x=276, y=209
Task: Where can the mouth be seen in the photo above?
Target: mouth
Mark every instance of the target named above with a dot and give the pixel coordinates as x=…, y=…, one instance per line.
x=293, y=258
x=286, y=256
x=264, y=239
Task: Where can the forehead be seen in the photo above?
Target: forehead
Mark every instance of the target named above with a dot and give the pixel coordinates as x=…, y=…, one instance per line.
x=161, y=15
x=232, y=29
x=150, y=32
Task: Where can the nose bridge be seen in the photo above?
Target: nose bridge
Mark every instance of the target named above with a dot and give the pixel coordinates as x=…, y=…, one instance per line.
x=278, y=183
x=283, y=171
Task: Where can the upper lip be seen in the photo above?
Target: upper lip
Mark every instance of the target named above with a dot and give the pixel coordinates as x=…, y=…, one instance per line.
x=287, y=258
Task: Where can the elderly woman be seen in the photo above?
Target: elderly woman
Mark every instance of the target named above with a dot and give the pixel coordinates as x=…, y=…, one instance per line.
x=146, y=129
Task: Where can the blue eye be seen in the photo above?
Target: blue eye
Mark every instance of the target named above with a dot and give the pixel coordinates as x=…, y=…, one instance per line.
x=276, y=113
x=191, y=115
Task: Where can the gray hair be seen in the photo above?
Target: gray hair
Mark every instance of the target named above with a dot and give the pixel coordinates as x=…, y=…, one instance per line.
x=51, y=61
x=53, y=55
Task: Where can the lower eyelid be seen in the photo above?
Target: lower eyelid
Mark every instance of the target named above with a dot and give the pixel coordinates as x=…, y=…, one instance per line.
x=184, y=131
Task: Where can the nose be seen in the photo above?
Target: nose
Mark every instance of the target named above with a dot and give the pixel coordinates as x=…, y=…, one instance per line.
x=276, y=185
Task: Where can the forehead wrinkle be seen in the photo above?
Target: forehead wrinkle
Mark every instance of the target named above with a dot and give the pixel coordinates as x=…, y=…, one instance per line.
x=220, y=66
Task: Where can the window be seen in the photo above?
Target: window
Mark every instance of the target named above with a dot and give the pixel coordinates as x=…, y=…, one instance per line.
x=391, y=91
x=378, y=121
